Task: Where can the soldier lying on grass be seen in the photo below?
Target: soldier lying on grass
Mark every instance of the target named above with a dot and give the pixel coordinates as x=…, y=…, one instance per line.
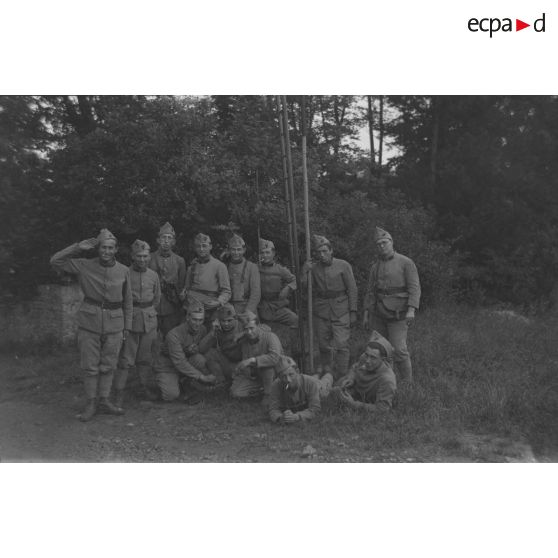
x=294, y=396
x=370, y=383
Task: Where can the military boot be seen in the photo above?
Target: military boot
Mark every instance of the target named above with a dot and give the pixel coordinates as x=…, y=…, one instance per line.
x=119, y=397
x=89, y=411
x=90, y=388
x=106, y=407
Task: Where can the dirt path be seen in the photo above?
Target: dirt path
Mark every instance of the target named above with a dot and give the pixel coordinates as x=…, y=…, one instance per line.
x=40, y=397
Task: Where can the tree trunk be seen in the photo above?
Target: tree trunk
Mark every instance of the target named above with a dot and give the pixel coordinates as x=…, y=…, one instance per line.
x=381, y=142
x=370, y=115
x=435, y=139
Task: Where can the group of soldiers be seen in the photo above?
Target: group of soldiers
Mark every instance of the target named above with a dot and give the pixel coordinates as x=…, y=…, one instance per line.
x=190, y=330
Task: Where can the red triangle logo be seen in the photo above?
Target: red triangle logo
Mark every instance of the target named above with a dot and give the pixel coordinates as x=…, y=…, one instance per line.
x=519, y=25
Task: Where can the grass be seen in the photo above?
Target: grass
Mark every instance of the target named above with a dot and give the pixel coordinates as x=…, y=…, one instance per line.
x=474, y=372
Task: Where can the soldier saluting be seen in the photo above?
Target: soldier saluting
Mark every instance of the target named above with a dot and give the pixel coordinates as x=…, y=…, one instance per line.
x=104, y=317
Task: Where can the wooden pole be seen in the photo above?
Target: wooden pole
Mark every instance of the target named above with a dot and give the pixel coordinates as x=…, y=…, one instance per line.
x=307, y=234
x=293, y=214
x=286, y=183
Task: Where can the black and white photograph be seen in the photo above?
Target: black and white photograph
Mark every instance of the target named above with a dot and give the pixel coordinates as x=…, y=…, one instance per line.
x=278, y=267
x=330, y=278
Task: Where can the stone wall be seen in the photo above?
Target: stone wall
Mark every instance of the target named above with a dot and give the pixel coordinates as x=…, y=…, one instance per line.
x=48, y=318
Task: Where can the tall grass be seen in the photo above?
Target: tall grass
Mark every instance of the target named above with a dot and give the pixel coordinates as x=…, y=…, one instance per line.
x=485, y=372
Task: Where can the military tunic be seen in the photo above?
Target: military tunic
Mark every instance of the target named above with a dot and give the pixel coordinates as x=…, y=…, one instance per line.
x=305, y=401
x=138, y=346
x=245, y=286
x=274, y=278
x=222, y=351
x=393, y=286
x=105, y=312
x=171, y=269
x=179, y=357
x=208, y=283
x=334, y=296
x=377, y=387
x=267, y=351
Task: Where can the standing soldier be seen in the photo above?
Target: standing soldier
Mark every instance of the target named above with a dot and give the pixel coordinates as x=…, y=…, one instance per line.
x=137, y=349
x=392, y=296
x=171, y=269
x=261, y=350
x=207, y=279
x=244, y=277
x=104, y=318
x=334, y=295
x=277, y=283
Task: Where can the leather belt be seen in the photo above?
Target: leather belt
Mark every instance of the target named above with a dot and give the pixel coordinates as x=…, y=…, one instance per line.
x=391, y=291
x=208, y=293
x=138, y=304
x=104, y=304
x=330, y=294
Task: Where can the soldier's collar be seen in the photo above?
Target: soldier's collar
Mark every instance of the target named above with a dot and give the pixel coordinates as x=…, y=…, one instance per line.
x=112, y=263
x=165, y=254
x=203, y=260
x=267, y=264
x=386, y=258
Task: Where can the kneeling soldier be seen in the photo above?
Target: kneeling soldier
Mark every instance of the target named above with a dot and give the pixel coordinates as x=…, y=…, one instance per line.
x=104, y=317
x=180, y=359
x=221, y=346
x=261, y=350
x=370, y=383
x=138, y=346
x=294, y=396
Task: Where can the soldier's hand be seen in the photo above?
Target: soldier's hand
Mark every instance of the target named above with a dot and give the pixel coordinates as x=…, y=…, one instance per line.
x=212, y=303
x=207, y=378
x=289, y=416
x=182, y=295
x=88, y=244
x=345, y=382
x=410, y=316
x=284, y=293
x=193, y=349
x=344, y=396
x=244, y=364
x=365, y=321
x=353, y=318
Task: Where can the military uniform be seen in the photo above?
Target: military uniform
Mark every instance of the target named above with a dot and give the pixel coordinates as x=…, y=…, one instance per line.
x=393, y=286
x=171, y=269
x=273, y=279
x=334, y=296
x=208, y=281
x=245, y=286
x=377, y=387
x=256, y=380
x=244, y=279
x=106, y=311
x=222, y=348
x=179, y=357
x=138, y=346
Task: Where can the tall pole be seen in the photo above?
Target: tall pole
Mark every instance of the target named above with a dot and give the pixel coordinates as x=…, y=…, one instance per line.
x=286, y=183
x=293, y=214
x=307, y=234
